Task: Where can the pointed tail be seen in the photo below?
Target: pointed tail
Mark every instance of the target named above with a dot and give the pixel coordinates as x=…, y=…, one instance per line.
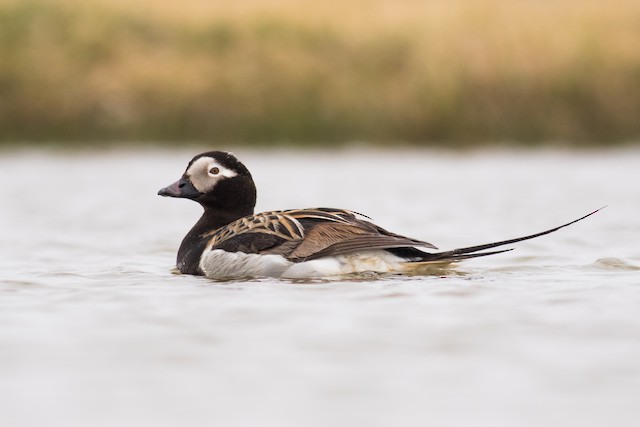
x=475, y=251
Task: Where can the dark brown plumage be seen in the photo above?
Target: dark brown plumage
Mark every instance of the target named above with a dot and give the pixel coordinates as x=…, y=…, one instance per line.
x=306, y=234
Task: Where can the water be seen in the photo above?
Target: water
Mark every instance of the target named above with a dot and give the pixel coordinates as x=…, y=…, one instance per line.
x=95, y=329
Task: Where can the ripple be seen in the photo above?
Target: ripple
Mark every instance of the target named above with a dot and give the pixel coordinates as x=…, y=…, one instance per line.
x=615, y=264
x=89, y=296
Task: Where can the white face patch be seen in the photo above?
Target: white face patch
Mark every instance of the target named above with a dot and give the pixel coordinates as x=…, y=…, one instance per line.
x=206, y=172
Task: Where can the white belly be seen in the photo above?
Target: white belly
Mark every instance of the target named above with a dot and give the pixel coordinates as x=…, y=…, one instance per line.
x=219, y=264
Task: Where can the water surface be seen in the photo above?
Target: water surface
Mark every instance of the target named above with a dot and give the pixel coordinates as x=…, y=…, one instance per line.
x=95, y=329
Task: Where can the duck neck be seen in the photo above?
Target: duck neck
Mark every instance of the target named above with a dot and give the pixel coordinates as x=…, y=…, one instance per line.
x=193, y=243
x=213, y=218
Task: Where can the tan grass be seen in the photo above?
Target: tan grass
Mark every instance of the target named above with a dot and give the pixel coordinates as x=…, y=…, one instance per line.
x=457, y=71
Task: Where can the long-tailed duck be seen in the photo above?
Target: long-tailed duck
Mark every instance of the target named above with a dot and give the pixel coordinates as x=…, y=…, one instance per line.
x=230, y=241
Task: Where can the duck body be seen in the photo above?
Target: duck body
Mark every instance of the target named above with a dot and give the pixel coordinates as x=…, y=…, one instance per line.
x=230, y=241
x=298, y=243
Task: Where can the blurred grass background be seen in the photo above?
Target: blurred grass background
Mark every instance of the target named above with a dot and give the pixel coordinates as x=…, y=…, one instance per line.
x=454, y=73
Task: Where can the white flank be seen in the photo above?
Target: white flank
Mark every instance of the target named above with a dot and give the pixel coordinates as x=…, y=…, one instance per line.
x=219, y=264
x=323, y=267
x=375, y=261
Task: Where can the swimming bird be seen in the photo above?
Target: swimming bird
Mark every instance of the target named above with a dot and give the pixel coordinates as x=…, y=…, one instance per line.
x=231, y=241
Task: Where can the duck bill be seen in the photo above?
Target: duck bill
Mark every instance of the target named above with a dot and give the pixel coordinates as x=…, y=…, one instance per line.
x=183, y=188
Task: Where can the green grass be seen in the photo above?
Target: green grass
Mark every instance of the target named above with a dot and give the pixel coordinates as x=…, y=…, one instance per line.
x=453, y=73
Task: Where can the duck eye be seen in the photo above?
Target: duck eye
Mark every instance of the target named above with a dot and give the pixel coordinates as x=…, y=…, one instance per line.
x=214, y=170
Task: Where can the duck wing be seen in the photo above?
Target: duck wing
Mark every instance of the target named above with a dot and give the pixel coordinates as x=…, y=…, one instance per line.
x=306, y=234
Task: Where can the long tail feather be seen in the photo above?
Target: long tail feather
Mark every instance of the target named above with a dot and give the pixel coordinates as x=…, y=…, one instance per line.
x=473, y=251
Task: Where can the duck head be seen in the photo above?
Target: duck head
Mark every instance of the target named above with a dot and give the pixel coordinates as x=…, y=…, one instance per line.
x=216, y=180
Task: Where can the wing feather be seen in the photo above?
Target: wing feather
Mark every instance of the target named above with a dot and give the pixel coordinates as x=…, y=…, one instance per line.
x=305, y=234
x=361, y=243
